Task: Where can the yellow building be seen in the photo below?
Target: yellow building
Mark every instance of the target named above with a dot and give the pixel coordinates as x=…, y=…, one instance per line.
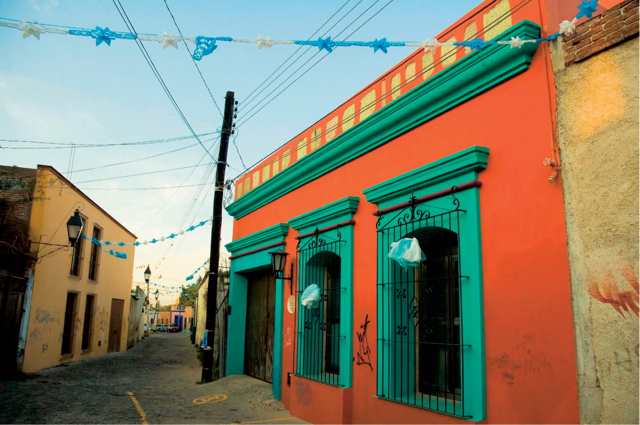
x=78, y=304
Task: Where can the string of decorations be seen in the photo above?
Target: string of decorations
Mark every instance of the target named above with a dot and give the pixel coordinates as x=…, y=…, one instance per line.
x=154, y=240
x=207, y=45
x=192, y=274
x=105, y=249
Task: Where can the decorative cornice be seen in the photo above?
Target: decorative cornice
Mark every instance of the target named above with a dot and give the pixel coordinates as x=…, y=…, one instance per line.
x=337, y=211
x=254, y=240
x=461, y=81
x=474, y=158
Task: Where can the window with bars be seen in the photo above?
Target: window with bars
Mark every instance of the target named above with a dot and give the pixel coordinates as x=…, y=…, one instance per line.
x=427, y=357
x=87, y=327
x=94, y=259
x=319, y=331
x=68, y=330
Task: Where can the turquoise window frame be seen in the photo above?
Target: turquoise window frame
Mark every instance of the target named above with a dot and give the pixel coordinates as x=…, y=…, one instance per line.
x=329, y=215
x=454, y=170
x=238, y=285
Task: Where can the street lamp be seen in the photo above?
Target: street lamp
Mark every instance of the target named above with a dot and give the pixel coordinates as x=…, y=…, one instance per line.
x=147, y=276
x=278, y=263
x=157, y=306
x=74, y=228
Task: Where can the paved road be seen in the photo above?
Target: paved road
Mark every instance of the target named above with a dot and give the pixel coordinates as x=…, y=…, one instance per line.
x=154, y=382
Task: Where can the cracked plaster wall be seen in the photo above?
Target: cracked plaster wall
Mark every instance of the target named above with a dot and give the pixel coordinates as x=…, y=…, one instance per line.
x=597, y=121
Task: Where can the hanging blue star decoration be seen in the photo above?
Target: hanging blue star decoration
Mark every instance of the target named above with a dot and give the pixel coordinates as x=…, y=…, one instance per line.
x=476, y=44
x=205, y=46
x=381, y=44
x=103, y=35
x=587, y=8
x=325, y=44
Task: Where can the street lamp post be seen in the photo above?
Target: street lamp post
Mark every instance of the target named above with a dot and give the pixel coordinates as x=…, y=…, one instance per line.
x=157, y=306
x=147, y=276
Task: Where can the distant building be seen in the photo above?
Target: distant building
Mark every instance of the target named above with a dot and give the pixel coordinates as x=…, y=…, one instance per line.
x=75, y=300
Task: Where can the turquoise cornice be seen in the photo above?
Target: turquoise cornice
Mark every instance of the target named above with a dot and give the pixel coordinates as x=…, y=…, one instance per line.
x=258, y=239
x=474, y=158
x=475, y=73
x=333, y=213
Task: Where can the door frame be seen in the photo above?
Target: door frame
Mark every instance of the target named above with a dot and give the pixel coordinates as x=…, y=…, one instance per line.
x=243, y=261
x=119, y=342
x=260, y=277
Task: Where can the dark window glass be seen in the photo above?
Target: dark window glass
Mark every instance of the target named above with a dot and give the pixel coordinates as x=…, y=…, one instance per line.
x=94, y=260
x=69, y=323
x=88, y=323
x=76, y=258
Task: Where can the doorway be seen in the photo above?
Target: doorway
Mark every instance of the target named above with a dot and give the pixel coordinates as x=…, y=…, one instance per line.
x=259, y=334
x=115, y=325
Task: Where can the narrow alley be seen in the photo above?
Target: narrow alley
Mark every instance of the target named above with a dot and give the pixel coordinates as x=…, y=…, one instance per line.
x=155, y=382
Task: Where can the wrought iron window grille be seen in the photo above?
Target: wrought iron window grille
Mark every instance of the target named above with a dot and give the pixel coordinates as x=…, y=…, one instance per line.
x=420, y=339
x=318, y=332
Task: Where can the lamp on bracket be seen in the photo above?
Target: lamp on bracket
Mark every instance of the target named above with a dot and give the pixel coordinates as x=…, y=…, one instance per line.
x=278, y=264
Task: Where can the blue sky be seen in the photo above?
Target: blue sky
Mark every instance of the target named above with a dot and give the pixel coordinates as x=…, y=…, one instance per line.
x=65, y=89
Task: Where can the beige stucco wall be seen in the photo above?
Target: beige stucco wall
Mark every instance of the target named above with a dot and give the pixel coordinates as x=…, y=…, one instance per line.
x=201, y=315
x=598, y=135
x=55, y=203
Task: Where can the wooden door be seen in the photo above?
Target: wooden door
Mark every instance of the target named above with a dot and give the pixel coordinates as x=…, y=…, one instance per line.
x=115, y=324
x=261, y=305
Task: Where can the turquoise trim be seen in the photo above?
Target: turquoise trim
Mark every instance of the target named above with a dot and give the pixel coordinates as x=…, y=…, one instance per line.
x=258, y=239
x=238, y=300
x=461, y=81
x=473, y=159
x=441, y=175
x=334, y=213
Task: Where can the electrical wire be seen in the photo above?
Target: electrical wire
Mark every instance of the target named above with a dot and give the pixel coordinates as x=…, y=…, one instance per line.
x=193, y=60
x=141, y=174
x=304, y=64
x=248, y=100
x=494, y=23
x=96, y=145
x=155, y=71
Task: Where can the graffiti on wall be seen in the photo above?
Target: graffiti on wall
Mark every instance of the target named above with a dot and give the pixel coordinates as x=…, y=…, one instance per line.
x=303, y=393
x=527, y=358
x=607, y=291
x=288, y=337
x=363, y=356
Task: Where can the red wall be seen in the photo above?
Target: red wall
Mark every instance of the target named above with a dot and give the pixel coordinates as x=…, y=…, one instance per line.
x=530, y=355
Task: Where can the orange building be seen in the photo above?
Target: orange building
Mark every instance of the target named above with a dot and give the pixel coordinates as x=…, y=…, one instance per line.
x=446, y=149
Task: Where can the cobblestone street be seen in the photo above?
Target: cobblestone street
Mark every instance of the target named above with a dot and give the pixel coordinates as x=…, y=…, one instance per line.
x=155, y=382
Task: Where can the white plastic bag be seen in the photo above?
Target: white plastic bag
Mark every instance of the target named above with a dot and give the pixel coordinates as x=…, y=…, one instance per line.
x=310, y=296
x=407, y=253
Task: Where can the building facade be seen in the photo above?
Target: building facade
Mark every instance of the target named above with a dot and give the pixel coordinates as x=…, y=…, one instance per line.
x=447, y=149
x=597, y=90
x=77, y=306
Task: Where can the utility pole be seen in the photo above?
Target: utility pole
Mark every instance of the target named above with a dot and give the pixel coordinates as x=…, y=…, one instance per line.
x=212, y=283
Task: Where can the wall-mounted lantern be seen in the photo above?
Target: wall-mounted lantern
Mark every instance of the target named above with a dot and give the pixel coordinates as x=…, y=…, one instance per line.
x=74, y=228
x=278, y=263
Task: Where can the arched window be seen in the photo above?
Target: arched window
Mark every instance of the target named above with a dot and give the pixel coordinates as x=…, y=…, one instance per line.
x=319, y=345
x=435, y=310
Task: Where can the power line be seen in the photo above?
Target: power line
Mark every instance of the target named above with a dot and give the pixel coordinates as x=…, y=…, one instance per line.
x=308, y=60
x=312, y=66
x=248, y=100
x=141, y=174
x=497, y=21
x=174, y=193
x=96, y=145
x=155, y=71
x=193, y=60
